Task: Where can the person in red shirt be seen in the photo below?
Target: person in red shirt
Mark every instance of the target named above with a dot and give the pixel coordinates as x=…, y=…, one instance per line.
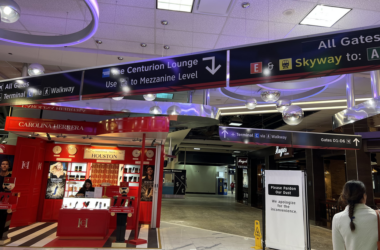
x=232, y=187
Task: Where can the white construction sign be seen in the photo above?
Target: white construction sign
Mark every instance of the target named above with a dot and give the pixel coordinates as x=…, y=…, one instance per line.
x=286, y=218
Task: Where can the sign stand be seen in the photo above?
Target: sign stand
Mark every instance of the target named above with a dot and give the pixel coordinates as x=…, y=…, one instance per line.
x=287, y=195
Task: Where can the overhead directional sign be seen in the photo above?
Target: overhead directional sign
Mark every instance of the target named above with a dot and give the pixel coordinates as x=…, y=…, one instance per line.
x=202, y=71
x=334, y=54
x=293, y=139
x=327, y=141
x=48, y=88
x=256, y=136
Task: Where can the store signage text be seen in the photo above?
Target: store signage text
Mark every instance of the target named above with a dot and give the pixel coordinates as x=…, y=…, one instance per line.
x=283, y=152
x=283, y=190
x=331, y=54
x=289, y=139
x=104, y=154
x=50, y=126
x=242, y=162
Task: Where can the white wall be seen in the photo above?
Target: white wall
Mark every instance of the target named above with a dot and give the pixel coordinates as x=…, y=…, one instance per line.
x=200, y=179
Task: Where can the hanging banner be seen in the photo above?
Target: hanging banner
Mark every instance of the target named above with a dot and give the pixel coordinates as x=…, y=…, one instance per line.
x=49, y=88
x=286, y=217
x=201, y=71
x=334, y=54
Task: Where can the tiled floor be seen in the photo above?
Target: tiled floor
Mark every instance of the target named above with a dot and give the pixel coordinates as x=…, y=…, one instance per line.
x=222, y=214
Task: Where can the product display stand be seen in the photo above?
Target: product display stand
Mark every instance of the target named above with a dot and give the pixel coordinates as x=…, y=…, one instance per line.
x=8, y=204
x=122, y=213
x=105, y=185
x=136, y=240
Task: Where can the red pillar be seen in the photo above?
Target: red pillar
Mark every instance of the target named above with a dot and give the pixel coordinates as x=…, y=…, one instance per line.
x=28, y=169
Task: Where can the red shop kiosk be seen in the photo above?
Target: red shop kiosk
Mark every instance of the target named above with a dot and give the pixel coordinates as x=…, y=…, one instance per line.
x=53, y=158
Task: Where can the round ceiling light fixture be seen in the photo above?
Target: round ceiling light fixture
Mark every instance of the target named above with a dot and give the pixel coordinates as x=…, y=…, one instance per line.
x=125, y=110
x=293, y=115
x=164, y=22
x=120, y=58
x=99, y=41
x=174, y=110
x=282, y=104
x=166, y=47
x=149, y=97
x=143, y=45
x=245, y=5
x=251, y=103
x=270, y=96
x=155, y=110
x=35, y=69
x=9, y=11
x=288, y=12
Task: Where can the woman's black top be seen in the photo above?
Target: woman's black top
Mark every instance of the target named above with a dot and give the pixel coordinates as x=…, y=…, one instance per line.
x=83, y=190
x=52, y=176
x=2, y=181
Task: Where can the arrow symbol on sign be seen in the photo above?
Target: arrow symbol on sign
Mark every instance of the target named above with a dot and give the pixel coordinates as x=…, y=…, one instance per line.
x=224, y=132
x=356, y=141
x=213, y=69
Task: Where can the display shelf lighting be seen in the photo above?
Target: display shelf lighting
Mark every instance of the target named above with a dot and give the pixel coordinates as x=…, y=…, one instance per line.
x=324, y=16
x=175, y=5
x=197, y=148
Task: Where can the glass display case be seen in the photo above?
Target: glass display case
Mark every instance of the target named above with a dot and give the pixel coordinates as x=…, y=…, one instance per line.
x=132, y=175
x=86, y=203
x=77, y=173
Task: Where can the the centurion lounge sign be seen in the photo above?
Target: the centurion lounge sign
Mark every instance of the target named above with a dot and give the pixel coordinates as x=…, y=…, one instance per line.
x=104, y=154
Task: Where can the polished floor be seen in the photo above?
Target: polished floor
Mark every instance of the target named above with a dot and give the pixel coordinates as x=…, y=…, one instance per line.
x=222, y=214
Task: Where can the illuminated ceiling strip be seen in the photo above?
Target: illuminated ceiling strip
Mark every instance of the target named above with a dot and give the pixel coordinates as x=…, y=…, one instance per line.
x=297, y=103
x=276, y=111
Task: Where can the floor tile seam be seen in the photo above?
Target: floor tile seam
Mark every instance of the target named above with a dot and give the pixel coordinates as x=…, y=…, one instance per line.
x=209, y=230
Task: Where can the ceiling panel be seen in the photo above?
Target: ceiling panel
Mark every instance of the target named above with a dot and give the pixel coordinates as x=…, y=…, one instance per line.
x=202, y=40
x=44, y=24
x=258, y=10
x=134, y=16
x=174, y=50
x=228, y=41
x=136, y=3
x=174, y=37
x=277, y=8
x=354, y=19
x=366, y=5
x=208, y=24
x=134, y=34
x=177, y=20
x=64, y=9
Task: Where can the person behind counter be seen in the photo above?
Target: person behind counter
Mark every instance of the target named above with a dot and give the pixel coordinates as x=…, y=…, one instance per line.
x=4, y=168
x=56, y=171
x=87, y=186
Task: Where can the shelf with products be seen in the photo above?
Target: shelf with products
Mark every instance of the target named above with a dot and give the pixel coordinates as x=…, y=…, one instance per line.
x=77, y=173
x=110, y=173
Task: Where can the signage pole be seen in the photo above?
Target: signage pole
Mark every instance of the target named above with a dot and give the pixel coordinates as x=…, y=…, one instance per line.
x=263, y=210
x=136, y=240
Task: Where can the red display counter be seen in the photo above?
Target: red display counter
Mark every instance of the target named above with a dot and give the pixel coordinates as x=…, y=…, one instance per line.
x=83, y=224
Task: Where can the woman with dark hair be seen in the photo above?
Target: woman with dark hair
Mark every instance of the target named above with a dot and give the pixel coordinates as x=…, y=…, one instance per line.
x=356, y=227
x=4, y=172
x=87, y=186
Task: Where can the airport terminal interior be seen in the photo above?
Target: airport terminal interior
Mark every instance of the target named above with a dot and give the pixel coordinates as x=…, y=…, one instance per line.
x=189, y=124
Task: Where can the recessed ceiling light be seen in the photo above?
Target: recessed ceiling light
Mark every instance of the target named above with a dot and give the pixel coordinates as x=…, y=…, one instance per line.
x=197, y=148
x=143, y=44
x=164, y=22
x=166, y=47
x=176, y=5
x=99, y=41
x=288, y=12
x=245, y=5
x=324, y=16
x=120, y=58
x=10, y=54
